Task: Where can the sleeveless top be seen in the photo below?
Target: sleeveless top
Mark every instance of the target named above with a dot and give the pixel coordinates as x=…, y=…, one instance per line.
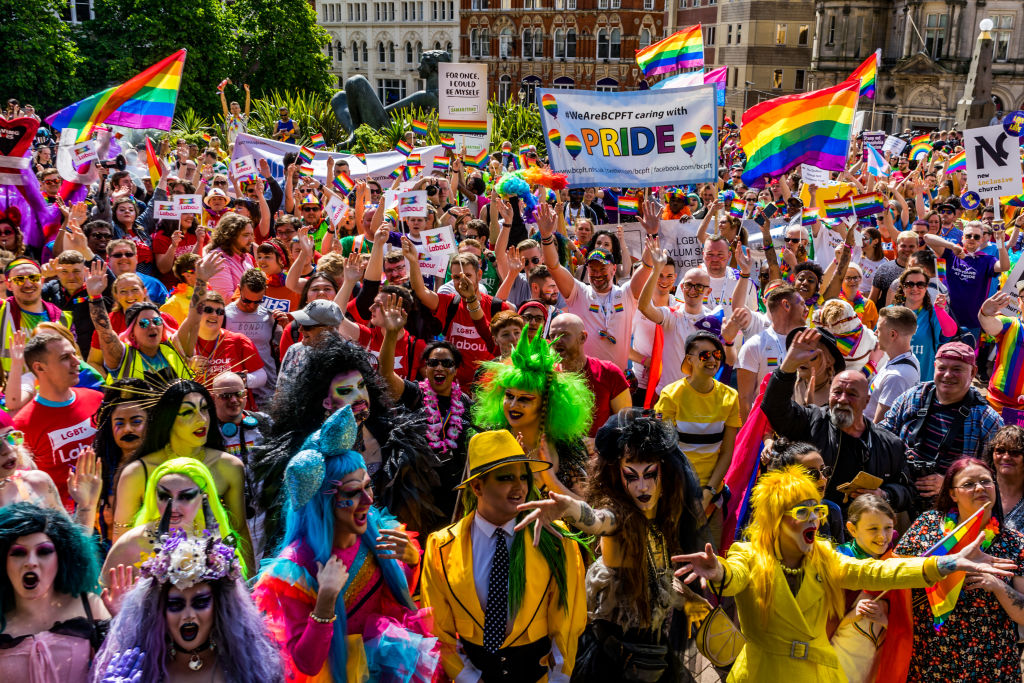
x=58, y=655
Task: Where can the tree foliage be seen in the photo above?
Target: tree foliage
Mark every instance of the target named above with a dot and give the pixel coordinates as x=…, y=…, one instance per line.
x=41, y=60
x=280, y=47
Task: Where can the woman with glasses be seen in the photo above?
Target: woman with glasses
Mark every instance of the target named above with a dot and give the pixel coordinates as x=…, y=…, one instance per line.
x=934, y=326
x=788, y=583
x=129, y=226
x=220, y=350
x=1004, y=454
x=706, y=417
x=980, y=633
x=782, y=453
x=852, y=293
x=11, y=238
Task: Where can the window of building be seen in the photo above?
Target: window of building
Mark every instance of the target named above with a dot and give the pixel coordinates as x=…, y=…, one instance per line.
x=1001, y=34
x=728, y=35
x=570, y=42
x=603, y=44
x=449, y=48
x=712, y=2
x=340, y=49
x=350, y=12
x=408, y=53
x=391, y=52
x=330, y=50
x=390, y=90
x=645, y=38
x=709, y=35
x=739, y=33
x=381, y=56
x=800, y=80
x=528, y=4
x=602, y=4
x=780, y=33
x=527, y=42
x=376, y=11
x=504, y=88
x=802, y=34
x=648, y=4
x=504, y=43
x=616, y=4
x=485, y=43
x=935, y=34
x=857, y=42
x=564, y=83
x=559, y=43
x=570, y=4
x=365, y=53
x=831, y=35
x=323, y=13
x=474, y=42
x=607, y=85
x=419, y=50
x=616, y=43
x=529, y=89
x=777, y=79
x=330, y=13
x=355, y=51
x=437, y=45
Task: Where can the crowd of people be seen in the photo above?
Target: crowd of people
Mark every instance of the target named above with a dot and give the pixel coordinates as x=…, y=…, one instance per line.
x=256, y=444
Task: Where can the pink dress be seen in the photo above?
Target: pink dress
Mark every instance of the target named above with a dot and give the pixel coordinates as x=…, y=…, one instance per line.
x=60, y=655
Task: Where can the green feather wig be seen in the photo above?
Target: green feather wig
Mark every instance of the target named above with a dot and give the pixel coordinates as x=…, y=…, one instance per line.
x=568, y=402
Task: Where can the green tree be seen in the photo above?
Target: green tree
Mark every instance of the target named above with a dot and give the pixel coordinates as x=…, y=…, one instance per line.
x=128, y=36
x=280, y=47
x=40, y=58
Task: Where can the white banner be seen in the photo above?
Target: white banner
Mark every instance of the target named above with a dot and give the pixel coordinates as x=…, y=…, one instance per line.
x=812, y=175
x=631, y=139
x=189, y=203
x=894, y=145
x=993, y=161
x=462, y=104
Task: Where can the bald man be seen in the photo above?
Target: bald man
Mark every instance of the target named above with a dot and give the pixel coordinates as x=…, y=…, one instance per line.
x=848, y=442
x=605, y=379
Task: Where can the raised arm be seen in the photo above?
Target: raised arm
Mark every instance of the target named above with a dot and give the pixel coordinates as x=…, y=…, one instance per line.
x=427, y=297
x=546, y=221
x=831, y=289
x=112, y=347
x=988, y=314
x=353, y=273
x=394, y=324
x=659, y=257
x=651, y=222
x=186, y=336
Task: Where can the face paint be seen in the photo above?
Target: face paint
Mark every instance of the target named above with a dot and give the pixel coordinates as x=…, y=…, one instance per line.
x=642, y=480
x=193, y=421
x=32, y=566
x=189, y=615
x=353, y=496
x=349, y=389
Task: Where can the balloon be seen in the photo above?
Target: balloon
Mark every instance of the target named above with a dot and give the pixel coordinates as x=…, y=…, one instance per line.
x=547, y=100
x=1013, y=123
x=970, y=200
x=555, y=137
x=573, y=145
x=688, y=143
x=706, y=132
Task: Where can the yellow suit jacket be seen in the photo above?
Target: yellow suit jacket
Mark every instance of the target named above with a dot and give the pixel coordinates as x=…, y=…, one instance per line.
x=447, y=586
x=792, y=645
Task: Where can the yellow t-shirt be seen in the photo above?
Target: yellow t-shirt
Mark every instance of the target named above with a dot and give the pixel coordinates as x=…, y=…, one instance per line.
x=700, y=419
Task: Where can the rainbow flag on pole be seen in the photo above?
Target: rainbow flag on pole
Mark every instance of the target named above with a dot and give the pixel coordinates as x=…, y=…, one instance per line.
x=480, y=160
x=681, y=50
x=737, y=207
x=418, y=127
x=152, y=162
x=868, y=204
x=629, y=206
x=317, y=140
x=343, y=183
x=809, y=216
x=404, y=148
x=865, y=74
x=838, y=208
x=943, y=595
x=455, y=126
x=146, y=100
x=806, y=128
x=448, y=141
x=442, y=163
x=307, y=154
x=957, y=162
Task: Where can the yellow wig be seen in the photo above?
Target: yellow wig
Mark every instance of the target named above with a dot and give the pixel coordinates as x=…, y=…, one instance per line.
x=775, y=493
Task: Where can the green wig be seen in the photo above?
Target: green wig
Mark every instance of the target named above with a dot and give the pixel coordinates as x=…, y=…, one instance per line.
x=200, y=474
x=567, y=404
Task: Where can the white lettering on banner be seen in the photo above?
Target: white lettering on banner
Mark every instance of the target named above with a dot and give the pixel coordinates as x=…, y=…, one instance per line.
x=631, y=139
x=397, y=358
x=993, y=161
x=467, y=332
x=59, y=438
x=272, y=304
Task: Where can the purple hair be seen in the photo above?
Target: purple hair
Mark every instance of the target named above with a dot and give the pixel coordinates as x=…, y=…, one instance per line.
x=245, y=650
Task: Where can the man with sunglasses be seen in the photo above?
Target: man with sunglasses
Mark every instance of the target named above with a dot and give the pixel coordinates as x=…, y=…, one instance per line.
x=848, y=442
x=49, y=183
x=247, y=316
x=25, y=308
x=528, y=257
x=948, y=213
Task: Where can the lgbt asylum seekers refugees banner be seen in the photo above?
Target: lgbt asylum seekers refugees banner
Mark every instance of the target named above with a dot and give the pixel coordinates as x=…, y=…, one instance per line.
x=642, y=138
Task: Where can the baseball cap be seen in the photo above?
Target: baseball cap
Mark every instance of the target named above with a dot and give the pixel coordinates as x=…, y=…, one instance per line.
x=319, y=312
x=600, y=255
x=217, y=192
x=957, y=351
x=533, y=303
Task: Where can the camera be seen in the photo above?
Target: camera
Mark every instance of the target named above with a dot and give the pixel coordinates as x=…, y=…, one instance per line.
x=431, y=190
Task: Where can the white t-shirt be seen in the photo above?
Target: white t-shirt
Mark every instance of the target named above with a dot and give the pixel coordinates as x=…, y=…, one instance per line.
x=894, y=379
x=721, y=291
x=677, y=325
x=762, y=353
x=869, y=267
x=826, y=244
x=259, y=328
x=605, y=317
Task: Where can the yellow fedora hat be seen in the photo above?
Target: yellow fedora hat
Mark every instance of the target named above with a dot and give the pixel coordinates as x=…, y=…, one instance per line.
x=491, y=450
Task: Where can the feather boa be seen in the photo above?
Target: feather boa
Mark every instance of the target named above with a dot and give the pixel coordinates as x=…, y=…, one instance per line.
x=435, y=422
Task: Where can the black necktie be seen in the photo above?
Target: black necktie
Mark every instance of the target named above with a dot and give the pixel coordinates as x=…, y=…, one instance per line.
x=496, y=614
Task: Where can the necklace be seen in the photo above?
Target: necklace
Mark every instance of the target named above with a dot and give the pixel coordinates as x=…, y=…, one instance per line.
x=791, y=572
x=435, y=425
x=195, y=662
x=950, y=521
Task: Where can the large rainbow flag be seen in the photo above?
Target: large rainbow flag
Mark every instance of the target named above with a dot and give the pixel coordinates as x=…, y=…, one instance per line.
x=943, y=595
x=865, y=74
x=146, y=100
x=681, y=50
x=806, y=128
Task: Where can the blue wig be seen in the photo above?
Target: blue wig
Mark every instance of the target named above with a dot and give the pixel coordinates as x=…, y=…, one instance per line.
x=326, y=457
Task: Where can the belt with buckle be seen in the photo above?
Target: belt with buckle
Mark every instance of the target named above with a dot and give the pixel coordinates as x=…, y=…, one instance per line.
x=798, y=649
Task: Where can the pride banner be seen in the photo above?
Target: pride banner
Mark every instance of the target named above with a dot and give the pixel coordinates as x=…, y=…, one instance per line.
x=641, y=138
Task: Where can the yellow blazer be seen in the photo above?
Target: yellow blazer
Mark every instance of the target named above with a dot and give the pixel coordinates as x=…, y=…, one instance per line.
x=792, y=644
x=447, y=586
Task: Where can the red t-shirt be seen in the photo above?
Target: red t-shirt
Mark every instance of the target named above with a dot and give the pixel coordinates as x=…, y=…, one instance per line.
x=142, y=249
x=118, y=325
x=607, y=381
x=230, y=351
x=161, y=243
x=471, y=337
x=57, y=434
x=406, y=355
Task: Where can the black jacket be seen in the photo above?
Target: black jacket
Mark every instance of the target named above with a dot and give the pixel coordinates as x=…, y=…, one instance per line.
x=877, y=451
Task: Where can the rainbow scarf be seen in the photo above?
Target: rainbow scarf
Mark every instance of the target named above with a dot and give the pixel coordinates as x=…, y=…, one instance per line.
x=942, y=597
x=858, y=302
x=848, y=341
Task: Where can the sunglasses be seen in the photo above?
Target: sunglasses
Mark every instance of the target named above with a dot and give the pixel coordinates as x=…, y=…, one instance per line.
x=972, y=237
x=251, y=302
x=448, y=363
x=155, y=322
x=792, y=240
x=21, y=279
x=6, y=233
x=14, y=438
x=918, y=284
x=533, y=260
x=123, y=254
x=220, y=183
x=372, y=191
x=817, y=475
x=210, y=309
x=706, y=355
x=802, y=513
x=227, y=396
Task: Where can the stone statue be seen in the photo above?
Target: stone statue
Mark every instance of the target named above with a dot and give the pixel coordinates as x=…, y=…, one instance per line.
x=358, y=104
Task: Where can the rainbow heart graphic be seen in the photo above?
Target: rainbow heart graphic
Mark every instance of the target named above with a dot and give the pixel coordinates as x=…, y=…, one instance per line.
x=706, y=132
x=555, y=137
x=547, y=101
x=688, y=142
x=573, y=145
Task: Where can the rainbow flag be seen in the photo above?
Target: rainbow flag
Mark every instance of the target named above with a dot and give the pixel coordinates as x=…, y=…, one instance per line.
x=629, y=206
x=737, y=207
x=152, y=163
x=413, y=159
x=868, y=204
x=418, y=127
x=306, y=170
x=343, y=183
x=809, y=216
x=397, y=173
x=307, y=154
x=681, y=50
x=455, y=126
x=838, y=208
x=146, y=100
x=442, y=163
x=409, y=171
x=957, y=162
x=940, y=269
x=806, y=128
x=317, y=140
x=206, y=137
x=480, y=160
x=448, y=141
x=865, y=74
x=943, y=595
x=920, y=147
x=404, y=148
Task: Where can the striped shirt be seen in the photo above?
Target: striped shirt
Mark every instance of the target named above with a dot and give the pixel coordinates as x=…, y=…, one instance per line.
x=701, y=420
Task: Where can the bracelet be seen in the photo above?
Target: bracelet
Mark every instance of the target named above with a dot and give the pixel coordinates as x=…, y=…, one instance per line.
x=323, y=621
x=469, y=302
x=330, y=231
x=96, y=297
x=745, y=275
x=725, y=343
x=646, y=265
x=547, y=240
x=474, y=310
